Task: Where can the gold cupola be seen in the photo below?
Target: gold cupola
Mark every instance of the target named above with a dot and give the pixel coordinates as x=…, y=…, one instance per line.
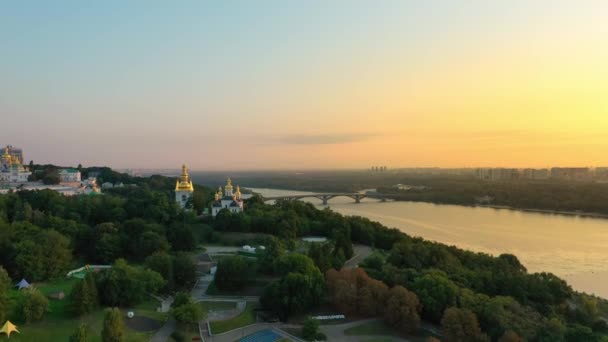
x=6, y=157
x=237, y=194
x=229, y=184
x=184, y=183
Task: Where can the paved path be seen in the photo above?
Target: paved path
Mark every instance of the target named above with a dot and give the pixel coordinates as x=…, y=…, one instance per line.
x=164, y=332
x=360, y=252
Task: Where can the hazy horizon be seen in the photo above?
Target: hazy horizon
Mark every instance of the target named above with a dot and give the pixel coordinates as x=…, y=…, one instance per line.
x=306, y=84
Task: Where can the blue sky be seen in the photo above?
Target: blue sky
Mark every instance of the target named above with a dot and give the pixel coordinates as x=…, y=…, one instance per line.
x=274, y=84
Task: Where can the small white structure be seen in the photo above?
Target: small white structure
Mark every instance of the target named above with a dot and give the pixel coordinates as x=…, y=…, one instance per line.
x=249, y=249
x=130, y=314
x=184, y=189
x=69, y=175
x=227, y=199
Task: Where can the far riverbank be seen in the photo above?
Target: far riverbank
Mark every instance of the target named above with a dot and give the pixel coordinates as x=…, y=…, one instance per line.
x=545, y=211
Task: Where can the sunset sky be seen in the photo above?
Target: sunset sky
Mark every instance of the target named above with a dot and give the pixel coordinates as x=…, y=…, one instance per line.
x=305, y=84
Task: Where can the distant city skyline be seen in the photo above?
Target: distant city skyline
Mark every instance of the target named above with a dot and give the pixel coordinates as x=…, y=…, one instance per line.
x=306, y=84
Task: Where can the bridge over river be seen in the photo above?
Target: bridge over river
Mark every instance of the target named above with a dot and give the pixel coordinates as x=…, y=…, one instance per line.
x=357, y=197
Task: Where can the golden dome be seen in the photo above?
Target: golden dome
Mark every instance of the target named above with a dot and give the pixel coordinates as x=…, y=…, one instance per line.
x=229, y=184
x=184, y=183
x=6, y=155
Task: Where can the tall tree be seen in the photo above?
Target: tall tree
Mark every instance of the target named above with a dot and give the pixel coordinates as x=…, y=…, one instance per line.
x=33, y=305
x=402, y=309
x=113, y=326
x=461, y=325
x=436, y=293
x=185, y=310
x=80, y=334
x=5, y=285
x=83, y=297
x=184, y=272
x=162, y=263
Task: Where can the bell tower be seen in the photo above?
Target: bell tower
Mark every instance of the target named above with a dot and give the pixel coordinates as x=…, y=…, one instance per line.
x=184, y=189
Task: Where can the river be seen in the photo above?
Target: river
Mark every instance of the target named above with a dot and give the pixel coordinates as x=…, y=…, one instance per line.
x=572, y=247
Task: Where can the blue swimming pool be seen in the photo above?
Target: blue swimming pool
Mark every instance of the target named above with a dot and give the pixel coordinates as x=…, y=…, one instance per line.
x=262, y=336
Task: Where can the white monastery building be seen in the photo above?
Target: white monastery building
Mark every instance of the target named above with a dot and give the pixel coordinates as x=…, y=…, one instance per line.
x=227, y=199
x=11, y=170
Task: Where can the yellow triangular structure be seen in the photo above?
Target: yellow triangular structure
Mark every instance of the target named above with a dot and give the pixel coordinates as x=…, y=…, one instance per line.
x=8, y=328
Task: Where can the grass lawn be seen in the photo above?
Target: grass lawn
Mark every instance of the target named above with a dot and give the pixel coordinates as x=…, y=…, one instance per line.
x=246, y=317
x=58, y=325
x=217, y=306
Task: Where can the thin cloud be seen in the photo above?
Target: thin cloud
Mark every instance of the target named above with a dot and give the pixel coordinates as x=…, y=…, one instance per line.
x=325, y=139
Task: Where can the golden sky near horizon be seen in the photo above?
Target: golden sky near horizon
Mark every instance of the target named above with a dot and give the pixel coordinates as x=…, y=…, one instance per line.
x=439, y=83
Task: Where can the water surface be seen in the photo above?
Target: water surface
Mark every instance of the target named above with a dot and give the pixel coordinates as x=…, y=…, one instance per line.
x=574, y=248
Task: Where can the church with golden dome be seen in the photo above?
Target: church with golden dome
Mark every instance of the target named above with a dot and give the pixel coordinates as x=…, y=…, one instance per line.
x=184, y=189
x=11, y=170
x=227, y=199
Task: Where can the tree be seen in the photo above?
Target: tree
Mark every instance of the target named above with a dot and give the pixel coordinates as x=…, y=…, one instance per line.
x=80, y=334
x=124, y=285
x=577, y=332
x=184, y=271
x=436, y=293
x=294, y=293
x=510, y=336
x=185, y=310
x=181, y=237
x=83, y=297
x=5, y=285
x=113, y=326
x=294, y=262
x=321, y=254
x=162, y=263
x=553, y=330
x=505, y=313
x=310, y=329
x=273, y=251
x=33, y=305
x=233, y=272
x=44, y=255
x=402, y=309
x=51, y=178
x=354, y=292
x=461, y=325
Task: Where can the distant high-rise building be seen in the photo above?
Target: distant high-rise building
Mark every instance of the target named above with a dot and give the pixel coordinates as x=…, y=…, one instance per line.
x=537, y=174
x=571, y=173
x=495, y=174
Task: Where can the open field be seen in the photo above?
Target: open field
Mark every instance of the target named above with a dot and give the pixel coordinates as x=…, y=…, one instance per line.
x=58, y=324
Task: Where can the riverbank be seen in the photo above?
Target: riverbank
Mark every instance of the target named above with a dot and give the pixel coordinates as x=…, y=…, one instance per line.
x=570, y=245
x=546, y=211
